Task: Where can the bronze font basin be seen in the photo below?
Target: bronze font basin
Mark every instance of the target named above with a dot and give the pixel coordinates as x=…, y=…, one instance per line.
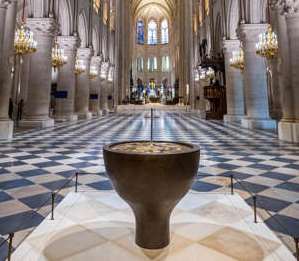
x=152, y=177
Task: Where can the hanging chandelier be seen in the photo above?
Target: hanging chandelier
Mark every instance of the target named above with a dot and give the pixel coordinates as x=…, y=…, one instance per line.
x=79, y=67
x=206, y=73
x=202, y=73
x=210, y=73
x=58, y=57
x=24, y=42
x=93, y=73
x=237, y=61
x=267, y=45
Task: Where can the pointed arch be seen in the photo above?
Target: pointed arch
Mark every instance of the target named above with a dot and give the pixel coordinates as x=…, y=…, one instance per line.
x=82, y=29
x=164, y=32
x=140, y=36
x=232, y=19
x=95, y=41
x=152, y=35
x=65, y=17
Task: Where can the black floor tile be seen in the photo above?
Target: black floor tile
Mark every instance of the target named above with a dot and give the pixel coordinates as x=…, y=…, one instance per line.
x=201, y=186
x=270, y=204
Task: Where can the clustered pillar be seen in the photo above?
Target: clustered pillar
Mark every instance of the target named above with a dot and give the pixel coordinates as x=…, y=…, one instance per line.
x=83, y=85
x=8, y=10
x=65, y=98
x=186, y=51
x=289, y=126
x=104, y=95
x=234, y=85
x=255, y=80
x=39, y=83
x=95, y=92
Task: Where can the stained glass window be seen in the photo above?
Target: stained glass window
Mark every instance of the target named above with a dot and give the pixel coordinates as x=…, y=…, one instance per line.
x=140, y=64
x=165, y=64
x=140, y=32
x=152, y=32
x=164, y=32
x=96, y=5
x=152, y=64
x=207, y=7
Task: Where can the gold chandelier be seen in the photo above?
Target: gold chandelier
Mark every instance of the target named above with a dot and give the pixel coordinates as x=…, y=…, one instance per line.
x=93, y=73
x=237, y=61
x=210, y=73
x=206, y=73
x=79, y=67
x=24, y=42
x=267, y=45
x=58, y=57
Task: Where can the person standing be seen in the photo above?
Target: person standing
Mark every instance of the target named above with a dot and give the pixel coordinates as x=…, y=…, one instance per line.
x=10, y=109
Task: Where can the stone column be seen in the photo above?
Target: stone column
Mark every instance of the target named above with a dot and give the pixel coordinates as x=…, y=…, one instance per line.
x=186, y=49
x=3, y=10
x=94, y=102
x=65, y=105
x=203, y=102
x=83, y=85
x=104, y=96
x=289, y=128
x=40, y=75
x=234, y=85
x=110, y=96
x=7, y=32
x=122, y=51
x=199, y=99
x=274, y=89
x=24, y=79
x=255, y=81
x=196, y=96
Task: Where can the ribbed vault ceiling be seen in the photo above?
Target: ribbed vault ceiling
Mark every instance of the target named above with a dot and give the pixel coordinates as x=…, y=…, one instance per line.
x=153, y=7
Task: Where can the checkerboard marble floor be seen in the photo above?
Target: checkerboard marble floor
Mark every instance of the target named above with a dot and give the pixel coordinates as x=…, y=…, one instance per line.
x=203, y=227
x=37, y=162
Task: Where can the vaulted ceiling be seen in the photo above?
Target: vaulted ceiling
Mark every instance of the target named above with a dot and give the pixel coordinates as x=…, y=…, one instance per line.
x=153, y=7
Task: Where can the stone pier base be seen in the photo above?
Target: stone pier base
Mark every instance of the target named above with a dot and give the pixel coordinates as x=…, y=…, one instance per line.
x=288, y=131
x=63, y=118
x=46, y=123
x=85, y=116
x=6, y=129
x=266, y=124
x=233, y=118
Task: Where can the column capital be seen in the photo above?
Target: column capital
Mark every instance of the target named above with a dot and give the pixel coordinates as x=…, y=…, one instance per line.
x=285, y=6
x=84, y=53
x=250, y=32
x=4, y=3
x=231, y=45
x=42, y=26
x=68, y=43
x=288, y=6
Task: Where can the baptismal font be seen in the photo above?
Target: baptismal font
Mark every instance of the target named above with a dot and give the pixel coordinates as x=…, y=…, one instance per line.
x=152, y=177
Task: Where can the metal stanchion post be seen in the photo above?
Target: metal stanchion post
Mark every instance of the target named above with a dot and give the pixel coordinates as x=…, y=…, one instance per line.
x=76, y=184
x=53, y=204
x=254, y=208
x=152, y=123
x=297, y=247
x=11, y=236
x=232, y=184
